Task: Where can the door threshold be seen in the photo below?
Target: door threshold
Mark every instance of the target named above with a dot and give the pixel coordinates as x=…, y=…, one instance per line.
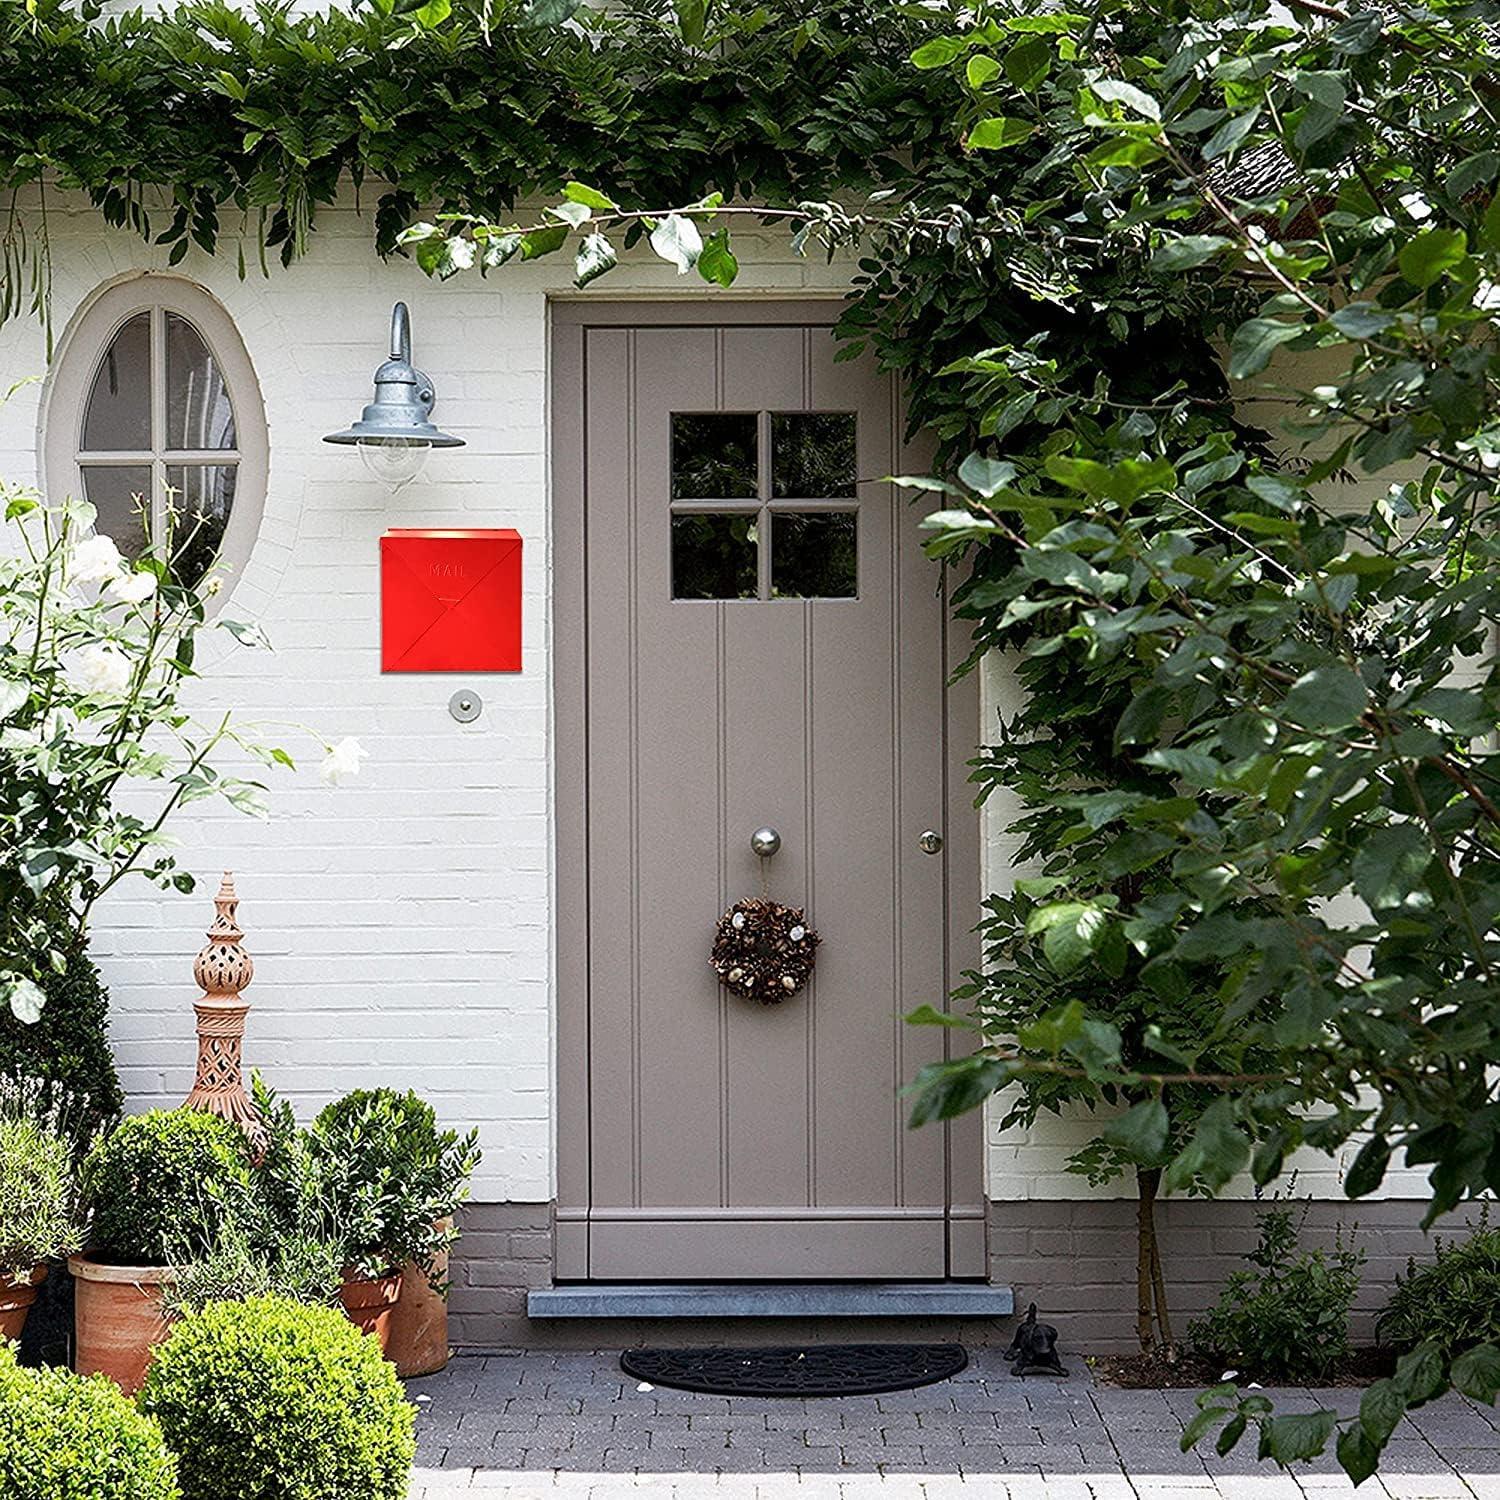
x=780, y=1299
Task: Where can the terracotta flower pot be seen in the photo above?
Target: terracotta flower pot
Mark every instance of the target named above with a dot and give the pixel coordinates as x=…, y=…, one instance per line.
x=418, y=1341
x=16, y=1297
x=369, y=1303
x=118, y=1319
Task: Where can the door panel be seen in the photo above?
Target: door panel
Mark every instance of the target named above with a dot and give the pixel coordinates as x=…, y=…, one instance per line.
x=719, y=1137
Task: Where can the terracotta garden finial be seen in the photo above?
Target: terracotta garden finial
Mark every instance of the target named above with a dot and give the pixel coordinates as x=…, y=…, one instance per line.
x=223, y=968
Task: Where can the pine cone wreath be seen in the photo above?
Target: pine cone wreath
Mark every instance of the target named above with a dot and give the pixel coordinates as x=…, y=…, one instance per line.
x=763, y=950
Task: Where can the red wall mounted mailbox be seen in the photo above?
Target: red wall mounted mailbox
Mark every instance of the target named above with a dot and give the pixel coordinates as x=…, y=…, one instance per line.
x=450, y=601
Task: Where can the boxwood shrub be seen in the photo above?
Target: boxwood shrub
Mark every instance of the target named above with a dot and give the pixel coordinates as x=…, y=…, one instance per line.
x=158, y=1181
x=271, y=1399
x=64, y=1437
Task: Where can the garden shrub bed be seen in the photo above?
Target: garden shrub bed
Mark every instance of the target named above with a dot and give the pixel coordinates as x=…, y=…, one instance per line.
x=1161, y=1370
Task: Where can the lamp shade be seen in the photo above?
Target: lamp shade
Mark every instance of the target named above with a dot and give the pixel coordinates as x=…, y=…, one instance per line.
x=401, y=411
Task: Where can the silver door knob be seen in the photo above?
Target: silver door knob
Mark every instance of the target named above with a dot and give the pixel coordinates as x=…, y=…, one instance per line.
x=765, y=842
x=930, y=841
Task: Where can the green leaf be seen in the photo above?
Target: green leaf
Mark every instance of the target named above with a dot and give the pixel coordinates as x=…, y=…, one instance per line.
x=1143, y=716
x=980, y=69
x=12, y=696
x=1301, y=1435
x=433, y=13
x=1368, y=1168
x=1229, y=135
x=1255, y=341
x=986, y=476
x=1331, y=697
x=595, y=256
x=1141, y=1134
x=1431, y=254
x=1116, y=91
x=1476, y=1373
x=946, y=1089
x=1380, y=1408
x=1054, y=1030
x=544, y=14
x=1185, y=251
x=1326, y=88
x=544, y=241
x=677, y=240
x=581, y=192
x=997, y=132
x=692, y=19
x=1357, y=1455
x=940, y=51
x=1389, y=866
x=717, y=263
x=1028, y=62
x=25, y=998
x=1069, y=931
x=574, y=215
x=1217, y=1150
x=928, y=1015
x=1234, y=1430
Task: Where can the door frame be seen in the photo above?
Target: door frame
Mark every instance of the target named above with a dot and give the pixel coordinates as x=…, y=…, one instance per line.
x=570, y=321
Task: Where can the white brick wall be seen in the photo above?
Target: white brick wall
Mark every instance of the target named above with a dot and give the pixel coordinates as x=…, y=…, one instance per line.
x=400, y=923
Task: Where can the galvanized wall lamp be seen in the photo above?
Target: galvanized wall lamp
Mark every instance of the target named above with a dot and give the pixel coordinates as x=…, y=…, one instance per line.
x=393, y=434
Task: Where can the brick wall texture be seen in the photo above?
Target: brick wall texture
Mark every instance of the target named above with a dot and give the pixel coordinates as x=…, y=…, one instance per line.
x=1074, y=1258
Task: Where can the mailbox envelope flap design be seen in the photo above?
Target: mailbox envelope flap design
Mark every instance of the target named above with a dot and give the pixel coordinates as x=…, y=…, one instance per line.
x=450, y=601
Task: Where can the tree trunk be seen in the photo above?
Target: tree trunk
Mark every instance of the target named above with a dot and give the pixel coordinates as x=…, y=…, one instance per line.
x=1150, y=1280
x=1145, y=1249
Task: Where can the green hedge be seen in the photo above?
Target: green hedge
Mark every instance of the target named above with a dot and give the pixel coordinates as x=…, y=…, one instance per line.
x=274, y=1400
x=69, y=1044
x=63, y=1437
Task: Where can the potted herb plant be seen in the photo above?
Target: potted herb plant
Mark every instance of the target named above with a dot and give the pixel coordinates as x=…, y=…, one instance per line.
x=39, y=1220
x=153, y=1181
x=393, y=1182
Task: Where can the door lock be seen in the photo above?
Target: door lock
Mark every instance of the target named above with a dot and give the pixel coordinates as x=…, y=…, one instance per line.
x=930, y=841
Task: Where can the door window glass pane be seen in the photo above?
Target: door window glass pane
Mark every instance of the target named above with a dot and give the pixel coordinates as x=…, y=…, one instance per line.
x=812, y=455
x=199, y=413
x=814, y=556
x=118, y=415
x=121, y=493
x=203, y=495
x=713, y=455
x=714, y=557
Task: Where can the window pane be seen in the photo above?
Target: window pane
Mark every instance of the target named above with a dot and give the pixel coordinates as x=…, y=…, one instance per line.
x=199, y=414
x=713, y=455
x=203, y=496
x=118, y=415
x=812, y=455
x=814, y=556
x=121, y=493
x=714, y=557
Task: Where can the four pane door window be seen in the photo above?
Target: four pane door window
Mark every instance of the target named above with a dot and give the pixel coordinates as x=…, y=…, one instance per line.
x=763, y=505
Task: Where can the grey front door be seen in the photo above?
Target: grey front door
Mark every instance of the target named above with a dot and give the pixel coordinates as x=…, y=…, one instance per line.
x=760, y=642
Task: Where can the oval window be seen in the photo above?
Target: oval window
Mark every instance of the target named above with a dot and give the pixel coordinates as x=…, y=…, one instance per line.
x=154, y=417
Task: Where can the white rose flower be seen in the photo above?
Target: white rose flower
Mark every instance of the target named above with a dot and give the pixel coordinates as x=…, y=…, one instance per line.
x=100, y=668
x=96, y=559
x=131, y=588
x=342, y=760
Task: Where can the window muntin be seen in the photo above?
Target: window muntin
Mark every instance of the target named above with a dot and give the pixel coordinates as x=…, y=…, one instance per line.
x=763, y=505
x=154, y=406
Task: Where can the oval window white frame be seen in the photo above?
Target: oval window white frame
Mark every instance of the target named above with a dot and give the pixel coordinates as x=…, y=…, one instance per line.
x=83, y=345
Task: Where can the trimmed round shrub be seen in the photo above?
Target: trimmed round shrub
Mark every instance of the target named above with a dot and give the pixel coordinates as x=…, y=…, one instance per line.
x=1454, y=1298
x=275, y=1400
x=64, y=1437
x=68, y=1044
x=158, y=1185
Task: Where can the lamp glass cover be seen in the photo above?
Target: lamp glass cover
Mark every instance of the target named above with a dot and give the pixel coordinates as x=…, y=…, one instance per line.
x=394, y=461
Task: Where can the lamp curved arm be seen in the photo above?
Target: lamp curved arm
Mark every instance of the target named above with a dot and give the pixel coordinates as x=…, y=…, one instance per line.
x=401, y=333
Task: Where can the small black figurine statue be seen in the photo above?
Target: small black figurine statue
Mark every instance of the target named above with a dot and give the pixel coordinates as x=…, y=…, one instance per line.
x=1033, y=1351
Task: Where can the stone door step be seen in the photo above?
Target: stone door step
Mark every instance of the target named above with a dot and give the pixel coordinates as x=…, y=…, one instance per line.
x=751, y=1299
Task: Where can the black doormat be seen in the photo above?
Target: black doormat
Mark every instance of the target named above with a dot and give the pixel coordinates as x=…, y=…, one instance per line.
x=815, y=1370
